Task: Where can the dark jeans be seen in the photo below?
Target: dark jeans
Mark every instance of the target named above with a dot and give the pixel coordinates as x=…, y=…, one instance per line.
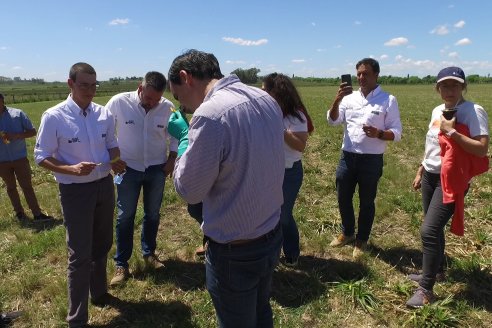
x=363, y=170
x=239, y=279
x=436, y=216
x=291, y=186
x=152, y=183
x=88, y=210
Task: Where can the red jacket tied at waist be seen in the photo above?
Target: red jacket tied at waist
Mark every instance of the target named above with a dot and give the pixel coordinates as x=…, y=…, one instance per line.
x=457, y=169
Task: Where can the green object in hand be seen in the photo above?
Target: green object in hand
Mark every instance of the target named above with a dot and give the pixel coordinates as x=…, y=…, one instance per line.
x=178, y=128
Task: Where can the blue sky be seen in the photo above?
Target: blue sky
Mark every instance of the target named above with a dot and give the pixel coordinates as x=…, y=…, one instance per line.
x=318, y=38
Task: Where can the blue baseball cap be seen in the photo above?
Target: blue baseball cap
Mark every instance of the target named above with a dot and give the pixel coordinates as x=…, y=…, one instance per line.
x=453, y=73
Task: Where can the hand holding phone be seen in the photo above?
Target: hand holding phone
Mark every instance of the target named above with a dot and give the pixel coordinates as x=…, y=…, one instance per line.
x=347, y=78
x=347, y=88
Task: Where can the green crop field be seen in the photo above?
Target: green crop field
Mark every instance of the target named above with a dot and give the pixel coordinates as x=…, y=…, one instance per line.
x=328, y=289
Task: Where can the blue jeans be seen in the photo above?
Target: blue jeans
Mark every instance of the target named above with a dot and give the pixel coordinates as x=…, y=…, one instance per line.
x=152, y=182
x=363, y=170
x=239, y=279
x=291, y=186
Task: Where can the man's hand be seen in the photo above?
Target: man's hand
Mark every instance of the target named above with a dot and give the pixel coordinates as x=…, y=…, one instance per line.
x=83, y=168
x=118, y=165
x=178, y=128
x=168, y=167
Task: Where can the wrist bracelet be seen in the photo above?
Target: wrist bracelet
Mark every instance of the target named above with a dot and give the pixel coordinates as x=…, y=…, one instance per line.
x=450, y=133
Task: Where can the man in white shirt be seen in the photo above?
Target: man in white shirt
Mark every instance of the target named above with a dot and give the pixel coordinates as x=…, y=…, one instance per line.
x=141, y=119
x=371, y=118
x=76, y=141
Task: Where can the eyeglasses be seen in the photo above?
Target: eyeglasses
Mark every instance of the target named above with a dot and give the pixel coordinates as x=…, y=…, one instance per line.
x=87, y=86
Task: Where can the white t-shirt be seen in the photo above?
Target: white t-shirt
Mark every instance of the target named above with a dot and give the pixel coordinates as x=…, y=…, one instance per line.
x=469, y=114
x=293, y=124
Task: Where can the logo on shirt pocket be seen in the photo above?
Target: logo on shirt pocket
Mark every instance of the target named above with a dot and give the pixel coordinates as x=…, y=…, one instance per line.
x=73, y=140
x=130, y=122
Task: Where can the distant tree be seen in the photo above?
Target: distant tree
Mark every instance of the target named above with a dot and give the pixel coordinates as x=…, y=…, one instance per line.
x=248, y=76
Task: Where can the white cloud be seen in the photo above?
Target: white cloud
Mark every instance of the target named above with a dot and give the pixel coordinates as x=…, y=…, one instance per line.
x=3, y=48
x=298, y=60
x=463, y=42
x=383, y=57
x=90, y=29
x=119, y=21
x=320, y=50
x=235, y=62
x=396, y=42
x=460, y=24
x=16, y=68
x=451, y=6
x=313, y=23
x=453, y=54
x=243, y=42
x=338, y=46
x=440, y=30
x=357, y=23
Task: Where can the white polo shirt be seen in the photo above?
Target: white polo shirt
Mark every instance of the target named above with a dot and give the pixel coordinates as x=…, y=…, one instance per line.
x=70, y=137
x=378, y=109
x=142, y=137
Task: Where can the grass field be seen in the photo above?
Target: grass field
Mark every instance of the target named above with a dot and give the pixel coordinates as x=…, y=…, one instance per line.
x=328, y=289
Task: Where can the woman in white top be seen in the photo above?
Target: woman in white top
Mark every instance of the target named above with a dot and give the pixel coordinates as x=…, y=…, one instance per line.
x=473, y=145
x=297, y=126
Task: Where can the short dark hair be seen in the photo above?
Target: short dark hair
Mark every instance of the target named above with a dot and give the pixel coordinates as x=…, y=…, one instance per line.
x=156, y=80
x=199, y=64
x=371, y=62
x=80, y=68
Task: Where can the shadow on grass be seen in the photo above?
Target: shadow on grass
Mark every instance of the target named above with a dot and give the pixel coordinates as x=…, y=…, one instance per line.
x=403, y=259
x=149, y=314
x=185, y=275
x=478, y=290
x=39, y=226
x=294, y=288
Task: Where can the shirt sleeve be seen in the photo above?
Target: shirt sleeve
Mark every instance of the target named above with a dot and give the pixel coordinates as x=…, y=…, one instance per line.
x=26, y=122
x=46, y=140
x=341, y=114
x=111, y=141
x=197, y=169
x=392, y=120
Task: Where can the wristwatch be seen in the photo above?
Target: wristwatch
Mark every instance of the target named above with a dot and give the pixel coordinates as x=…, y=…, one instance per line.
x=380, y=134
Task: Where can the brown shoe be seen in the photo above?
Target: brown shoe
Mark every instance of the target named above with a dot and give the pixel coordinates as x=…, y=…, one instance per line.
x=121, y=274
x=152, y=262
x=342, y=240
x=359, y=248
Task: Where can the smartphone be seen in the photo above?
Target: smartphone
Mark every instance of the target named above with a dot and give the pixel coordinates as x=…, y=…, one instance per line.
x=347, y=78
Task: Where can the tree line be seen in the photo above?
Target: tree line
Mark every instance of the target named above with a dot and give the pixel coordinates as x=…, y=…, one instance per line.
x=250, y=76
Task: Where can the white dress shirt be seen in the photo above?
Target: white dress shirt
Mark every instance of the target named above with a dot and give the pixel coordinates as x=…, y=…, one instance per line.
x=378, y=109
x=70, y=137
x=142, y=137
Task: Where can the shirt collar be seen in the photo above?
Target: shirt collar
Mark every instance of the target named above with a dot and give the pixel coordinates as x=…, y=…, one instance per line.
x=222, y=83
x=76, y=110
x=371, y=94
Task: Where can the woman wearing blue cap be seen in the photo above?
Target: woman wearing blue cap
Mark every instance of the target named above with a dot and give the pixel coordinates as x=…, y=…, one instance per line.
x=457, y=141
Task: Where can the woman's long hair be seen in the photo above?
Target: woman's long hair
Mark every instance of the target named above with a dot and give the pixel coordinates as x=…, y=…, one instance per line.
x=281, y=88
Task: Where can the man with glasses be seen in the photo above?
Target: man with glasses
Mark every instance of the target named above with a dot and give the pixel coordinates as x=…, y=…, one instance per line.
x=141, y=118
x=77, y=142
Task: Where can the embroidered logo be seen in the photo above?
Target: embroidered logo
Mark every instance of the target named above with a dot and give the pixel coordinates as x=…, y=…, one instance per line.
x=73, y=140
x=160, y=126
x=130, y=122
